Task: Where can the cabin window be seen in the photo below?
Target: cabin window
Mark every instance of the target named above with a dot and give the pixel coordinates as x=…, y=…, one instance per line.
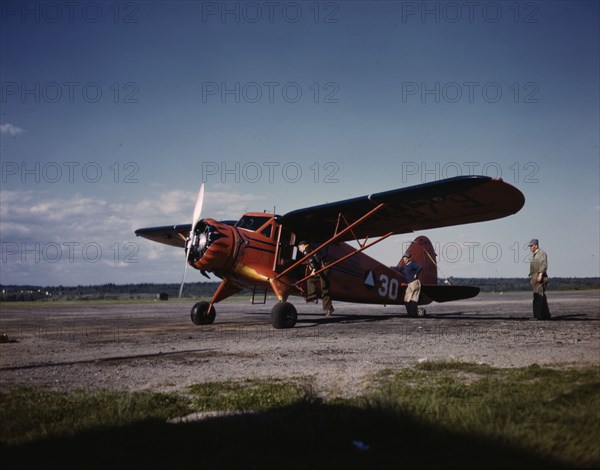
x=252, y=223
x=267, y=231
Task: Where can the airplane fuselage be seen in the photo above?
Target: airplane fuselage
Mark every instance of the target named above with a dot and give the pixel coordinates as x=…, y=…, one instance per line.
x=257, y=248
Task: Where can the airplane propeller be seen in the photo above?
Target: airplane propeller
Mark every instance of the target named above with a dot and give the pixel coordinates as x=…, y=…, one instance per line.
x=195, y=219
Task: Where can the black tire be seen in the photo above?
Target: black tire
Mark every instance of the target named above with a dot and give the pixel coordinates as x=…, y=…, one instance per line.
x=283, y=315
x=421, y=312
x=200, y=314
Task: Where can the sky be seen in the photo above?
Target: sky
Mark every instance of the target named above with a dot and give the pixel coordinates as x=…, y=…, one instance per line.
x=114, y=113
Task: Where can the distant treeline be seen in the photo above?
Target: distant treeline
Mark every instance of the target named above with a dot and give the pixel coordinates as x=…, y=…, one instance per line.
x=11, y=293
x=519, y=284
x=105, y=291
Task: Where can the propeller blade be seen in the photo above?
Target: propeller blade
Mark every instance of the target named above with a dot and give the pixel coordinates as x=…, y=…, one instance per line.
x=195, y=218
x=198, y=207
x=183, y=276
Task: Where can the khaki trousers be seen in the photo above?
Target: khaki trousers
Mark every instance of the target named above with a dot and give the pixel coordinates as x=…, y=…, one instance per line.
x=412, y=291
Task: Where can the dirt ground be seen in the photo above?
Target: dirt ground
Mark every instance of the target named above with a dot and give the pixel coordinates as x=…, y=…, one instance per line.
x=156, y=347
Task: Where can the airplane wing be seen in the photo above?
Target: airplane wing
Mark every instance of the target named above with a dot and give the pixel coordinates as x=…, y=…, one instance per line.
x=173, y=235
x=454, y=201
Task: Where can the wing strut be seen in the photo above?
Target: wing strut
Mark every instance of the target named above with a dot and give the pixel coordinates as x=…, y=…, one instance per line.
x=339, y=260
x=337, y=235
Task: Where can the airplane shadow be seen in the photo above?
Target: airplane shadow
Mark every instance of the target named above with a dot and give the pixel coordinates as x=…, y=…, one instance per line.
x=315, y=319
x=306, y=320
x=340, y=318
x=469, y=316
x=302, y=435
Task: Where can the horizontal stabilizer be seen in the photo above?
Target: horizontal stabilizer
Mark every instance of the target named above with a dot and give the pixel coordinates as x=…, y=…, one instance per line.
x=448, y=293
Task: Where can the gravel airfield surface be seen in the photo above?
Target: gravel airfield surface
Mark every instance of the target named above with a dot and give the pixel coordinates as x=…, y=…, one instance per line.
x=155, y=346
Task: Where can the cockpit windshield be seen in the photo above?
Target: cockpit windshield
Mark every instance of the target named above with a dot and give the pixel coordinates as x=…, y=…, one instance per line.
x=250, y=222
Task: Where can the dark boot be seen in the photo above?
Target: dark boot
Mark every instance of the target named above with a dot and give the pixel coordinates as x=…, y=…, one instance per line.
x=412, y=309
x=545, y=309
x=538, y=306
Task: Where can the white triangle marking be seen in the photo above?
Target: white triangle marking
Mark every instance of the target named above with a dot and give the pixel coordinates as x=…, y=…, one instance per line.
x=370, y=279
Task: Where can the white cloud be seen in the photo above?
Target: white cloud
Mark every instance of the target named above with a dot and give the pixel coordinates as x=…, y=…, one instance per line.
x=72, y=240
x=10, y=129
x=177, y=206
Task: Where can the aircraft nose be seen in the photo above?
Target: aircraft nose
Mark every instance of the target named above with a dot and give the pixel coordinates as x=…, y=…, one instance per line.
x=198, y=243
x=211, y=246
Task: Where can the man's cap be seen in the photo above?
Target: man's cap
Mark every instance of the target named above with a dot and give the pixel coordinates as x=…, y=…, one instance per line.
x=534, y=241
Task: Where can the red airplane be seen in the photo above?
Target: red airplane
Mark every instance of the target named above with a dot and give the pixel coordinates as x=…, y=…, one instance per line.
x=259, y=251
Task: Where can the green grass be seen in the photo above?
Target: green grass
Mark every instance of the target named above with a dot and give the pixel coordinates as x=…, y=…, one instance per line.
x=29, y=414
x=250, y=395
x=553, y=412
x=439, y=414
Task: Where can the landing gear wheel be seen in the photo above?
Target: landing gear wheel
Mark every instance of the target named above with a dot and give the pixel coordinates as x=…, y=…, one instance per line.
x=200, y=314
x=421, y=312
x=283, y=315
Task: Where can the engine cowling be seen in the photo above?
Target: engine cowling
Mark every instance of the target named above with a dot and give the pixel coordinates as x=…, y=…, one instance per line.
x=212, y=247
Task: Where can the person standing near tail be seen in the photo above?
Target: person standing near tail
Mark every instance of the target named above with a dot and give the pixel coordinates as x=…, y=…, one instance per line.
x=538, y=274
x=411, y=271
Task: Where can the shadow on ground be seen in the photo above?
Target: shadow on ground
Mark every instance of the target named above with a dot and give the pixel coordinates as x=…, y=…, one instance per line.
x=307, y=435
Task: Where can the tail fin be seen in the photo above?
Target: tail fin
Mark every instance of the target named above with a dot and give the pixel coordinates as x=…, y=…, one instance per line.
x=422, y=252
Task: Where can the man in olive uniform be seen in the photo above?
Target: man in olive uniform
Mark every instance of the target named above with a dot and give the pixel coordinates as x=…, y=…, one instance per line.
x=538, y=274
x=315, y=263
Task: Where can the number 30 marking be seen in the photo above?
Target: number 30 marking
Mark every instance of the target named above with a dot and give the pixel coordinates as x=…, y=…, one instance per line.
x=388, y=288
